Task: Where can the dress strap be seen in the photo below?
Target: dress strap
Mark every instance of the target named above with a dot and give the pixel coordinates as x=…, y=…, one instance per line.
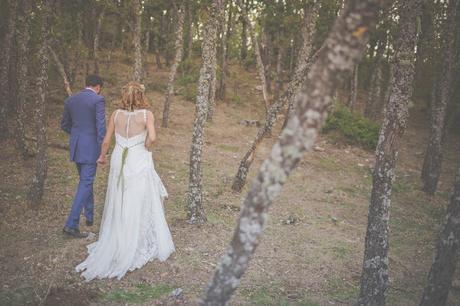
x=116, y=114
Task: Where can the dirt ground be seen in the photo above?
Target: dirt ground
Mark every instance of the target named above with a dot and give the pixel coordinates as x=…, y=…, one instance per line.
x=312, y=248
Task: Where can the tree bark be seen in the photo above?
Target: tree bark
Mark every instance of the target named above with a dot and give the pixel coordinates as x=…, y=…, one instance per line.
x=195, y=212
x=304, y=62
x=279, y=72
x=41, y=163
x=23, y=69
x=138, y=74
x=212, y=91
x=353, y=89
x=61, y=70
x=97, y=35
x=343, y=49
x=374, y=278
x=177, y=59
x=260, y=64
x=433, y=155
x=5, y=77
x=447, y=250
x=244, y=36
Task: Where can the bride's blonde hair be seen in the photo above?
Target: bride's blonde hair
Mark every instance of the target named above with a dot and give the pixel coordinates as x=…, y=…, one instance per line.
x=133, y=97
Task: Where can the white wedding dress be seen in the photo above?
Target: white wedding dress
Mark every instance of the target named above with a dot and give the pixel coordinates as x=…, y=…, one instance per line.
x=133, y=228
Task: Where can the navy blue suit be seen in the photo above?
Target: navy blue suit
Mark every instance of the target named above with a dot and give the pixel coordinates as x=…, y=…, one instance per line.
x=84, y=120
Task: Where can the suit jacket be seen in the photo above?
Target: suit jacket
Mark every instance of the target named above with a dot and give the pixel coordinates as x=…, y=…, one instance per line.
x=84, y=120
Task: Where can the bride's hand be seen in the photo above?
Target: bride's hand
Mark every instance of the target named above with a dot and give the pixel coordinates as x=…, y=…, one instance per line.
x=101, y=160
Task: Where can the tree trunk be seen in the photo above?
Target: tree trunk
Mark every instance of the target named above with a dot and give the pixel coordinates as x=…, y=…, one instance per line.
x=304, y=62
x=342, y=50
x=433, y=155
x=223, y=65
x=97, y=34
x=374, y=100
x=212, y=91
x=374, y=278
x=23, y=69
x=244, y=35
x=41, y=163
x=260, y=64
x=279, y=72
x=447, y=250
x=188, y=26
x=177, y=59
x=308, y=34
x=194, y=200
x=5, y=77
x=353, y=89
x=138, y=74
x=61, y=70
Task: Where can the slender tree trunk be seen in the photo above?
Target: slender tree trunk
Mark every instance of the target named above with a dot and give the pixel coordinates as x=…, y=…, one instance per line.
x=157, y=42
x=279, y=72
x=23, y=70
x=5, y=77
x=194, y=200
x=41, y=163
x=447, y=250
x=308, y=33
x=353, y=89
x=343, y=49
x=244, y=35
x=374, y=278
x=188, y=27
x=374, y=100
x=177, y=59
x=225, y=45
x=138, y=74
x=304, y=62
x=260, y=64
x=97, y=35
x=61, y=70
x=433, y=155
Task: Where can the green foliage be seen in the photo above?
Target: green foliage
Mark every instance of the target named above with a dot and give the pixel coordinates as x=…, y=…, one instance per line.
x=141, y=294
x=354, y=127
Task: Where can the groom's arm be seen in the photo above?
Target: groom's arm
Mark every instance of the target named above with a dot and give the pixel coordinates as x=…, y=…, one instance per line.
x=66, y=121
x=100, y=120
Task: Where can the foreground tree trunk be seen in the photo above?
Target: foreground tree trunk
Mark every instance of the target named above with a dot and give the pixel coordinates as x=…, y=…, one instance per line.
x=195, y=213
x=433, y=155
x=256, y=46
x=23, y=70
x=137, y=33
x=172, y=75
x=447, y=250
x=61, y=70
x=5, y=78
x=343, y=49
x=304, y=62
x=41, y=164
x=374, y=278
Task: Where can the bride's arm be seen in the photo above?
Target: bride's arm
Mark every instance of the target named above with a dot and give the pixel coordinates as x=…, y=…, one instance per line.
x=151, y=134
x=107, y=139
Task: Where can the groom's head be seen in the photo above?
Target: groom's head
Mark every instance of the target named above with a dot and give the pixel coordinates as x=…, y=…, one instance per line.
x=95, y=82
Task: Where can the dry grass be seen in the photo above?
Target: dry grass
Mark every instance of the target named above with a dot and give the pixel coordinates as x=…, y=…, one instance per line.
x=315, y=260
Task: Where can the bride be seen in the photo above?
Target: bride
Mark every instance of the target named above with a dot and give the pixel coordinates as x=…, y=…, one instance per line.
x=133, y=228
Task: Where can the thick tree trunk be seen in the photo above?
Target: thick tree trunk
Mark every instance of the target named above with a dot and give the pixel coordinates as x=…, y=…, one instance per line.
x=343, y=49
x=374, y=278
x=138, y=74
x=304, y=62
x=353, y=89
x=433, y=155
x=256, y=46
x=5, y=77
x=224, y=58
x=194, y=199
x=447, y=250
x=97, y=35
x=212, y=91
x=23, y=70
x=172, y=75
x=374, y=101
x=61, y=70
x=41, y=163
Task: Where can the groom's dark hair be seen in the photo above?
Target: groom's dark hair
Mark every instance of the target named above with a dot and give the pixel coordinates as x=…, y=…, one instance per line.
x=93, y=80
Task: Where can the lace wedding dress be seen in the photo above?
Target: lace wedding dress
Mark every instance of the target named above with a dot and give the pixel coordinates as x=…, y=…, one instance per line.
x=133, y=229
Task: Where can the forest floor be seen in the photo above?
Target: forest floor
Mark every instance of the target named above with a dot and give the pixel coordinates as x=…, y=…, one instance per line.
x=312, y=248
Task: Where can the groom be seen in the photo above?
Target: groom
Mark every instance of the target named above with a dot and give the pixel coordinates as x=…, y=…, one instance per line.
x=84, y=120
